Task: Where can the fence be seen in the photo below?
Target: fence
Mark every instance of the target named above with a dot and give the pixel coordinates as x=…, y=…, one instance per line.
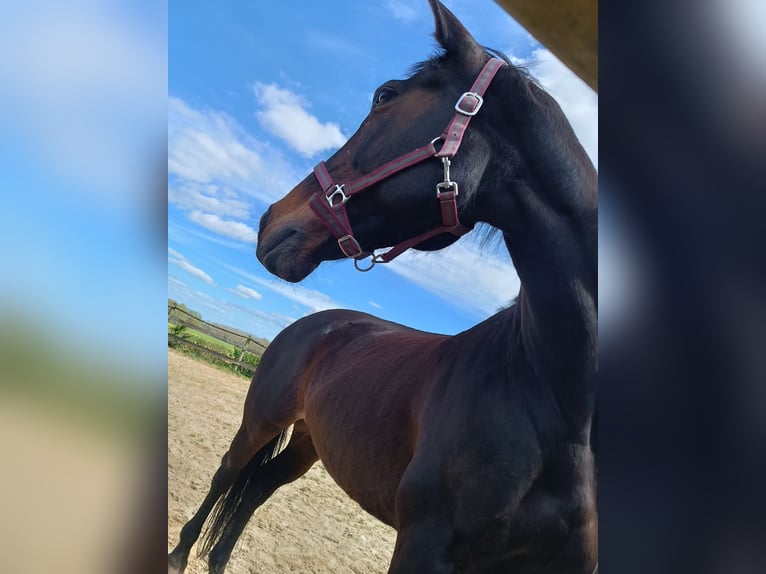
x=242, y=341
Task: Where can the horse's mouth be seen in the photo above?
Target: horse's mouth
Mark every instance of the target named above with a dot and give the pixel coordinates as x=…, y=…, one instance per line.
x=281, y=253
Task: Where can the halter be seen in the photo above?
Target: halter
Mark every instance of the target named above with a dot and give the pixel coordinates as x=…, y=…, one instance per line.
x=330, y=204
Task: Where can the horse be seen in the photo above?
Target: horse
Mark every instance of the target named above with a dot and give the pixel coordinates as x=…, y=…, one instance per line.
x=475, y=447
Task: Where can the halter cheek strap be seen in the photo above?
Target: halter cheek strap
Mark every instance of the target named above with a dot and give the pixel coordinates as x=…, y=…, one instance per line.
x=330, y=204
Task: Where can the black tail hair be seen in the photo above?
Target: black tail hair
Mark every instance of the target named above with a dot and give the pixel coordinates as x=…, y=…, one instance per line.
x=227, y=506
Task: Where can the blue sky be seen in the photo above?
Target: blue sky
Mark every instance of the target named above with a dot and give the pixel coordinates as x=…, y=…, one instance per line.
x=258, y=93
x=83, y=110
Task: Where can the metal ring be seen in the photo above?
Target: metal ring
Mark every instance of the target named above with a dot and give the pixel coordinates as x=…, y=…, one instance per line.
x=433, y=141
x=365, y=269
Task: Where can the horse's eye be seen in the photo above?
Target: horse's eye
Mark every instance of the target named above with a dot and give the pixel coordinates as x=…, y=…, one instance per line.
x=383, y=96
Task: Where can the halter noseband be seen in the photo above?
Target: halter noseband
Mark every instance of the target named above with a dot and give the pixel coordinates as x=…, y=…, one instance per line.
x=330, y=205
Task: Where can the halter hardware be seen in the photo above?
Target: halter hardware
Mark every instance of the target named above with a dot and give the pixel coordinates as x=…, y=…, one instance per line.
x=447, y=184
x=470, y=110
x=329, y=205
x=373, y=260
x=338, y=191
x=444, y=186
x=356, y=249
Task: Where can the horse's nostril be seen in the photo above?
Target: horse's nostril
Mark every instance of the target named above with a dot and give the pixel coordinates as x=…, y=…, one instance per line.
x=270, y=242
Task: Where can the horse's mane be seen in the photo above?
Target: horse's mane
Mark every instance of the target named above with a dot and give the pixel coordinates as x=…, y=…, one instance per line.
x=439, y=56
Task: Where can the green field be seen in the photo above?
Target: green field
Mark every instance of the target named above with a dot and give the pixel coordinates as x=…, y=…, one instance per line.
x=194, y=336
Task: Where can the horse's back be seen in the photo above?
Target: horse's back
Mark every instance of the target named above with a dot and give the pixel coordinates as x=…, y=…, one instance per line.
x=328, y=348
x=339, y=331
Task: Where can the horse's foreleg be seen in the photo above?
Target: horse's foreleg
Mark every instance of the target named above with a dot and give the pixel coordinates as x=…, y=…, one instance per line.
x=422, y=548
x=424, y=526
x=289, y=465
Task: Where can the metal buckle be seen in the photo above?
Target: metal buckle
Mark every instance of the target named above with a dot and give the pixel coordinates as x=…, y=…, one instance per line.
x=460, y=101
x=354, y=243
x=446, y=186
x=337, y=191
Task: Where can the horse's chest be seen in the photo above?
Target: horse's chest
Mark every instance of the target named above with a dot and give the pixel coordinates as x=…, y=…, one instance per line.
x=520, y=517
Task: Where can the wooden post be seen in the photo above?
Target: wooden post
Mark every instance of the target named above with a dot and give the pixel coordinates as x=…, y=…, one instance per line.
x=244, y=350
x=568, y=28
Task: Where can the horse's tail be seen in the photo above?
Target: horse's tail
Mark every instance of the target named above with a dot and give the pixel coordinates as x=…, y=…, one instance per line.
x=227, y=506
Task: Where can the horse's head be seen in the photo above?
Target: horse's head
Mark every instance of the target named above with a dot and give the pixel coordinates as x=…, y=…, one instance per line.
x=406, y=115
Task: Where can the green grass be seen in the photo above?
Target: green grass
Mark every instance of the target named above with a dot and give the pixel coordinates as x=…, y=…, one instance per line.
x=206, y=340
x=213, y=344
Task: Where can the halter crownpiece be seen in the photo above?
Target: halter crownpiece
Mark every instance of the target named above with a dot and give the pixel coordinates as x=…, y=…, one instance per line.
x=330, y=204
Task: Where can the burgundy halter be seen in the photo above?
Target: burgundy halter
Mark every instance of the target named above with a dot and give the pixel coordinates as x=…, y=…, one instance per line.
x=329, y=205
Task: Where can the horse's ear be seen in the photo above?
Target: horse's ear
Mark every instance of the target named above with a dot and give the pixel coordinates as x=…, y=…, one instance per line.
x=452, y=35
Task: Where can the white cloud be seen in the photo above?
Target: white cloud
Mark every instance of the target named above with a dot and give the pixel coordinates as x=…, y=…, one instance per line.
x=246, y=292
x=493, y=280
x=211, y=303
x=209, y=147
x=189, y=268
x=245, y=317
x=216, y=169
x=175, y=258
x=284, y=114
x=401, y=11
x=311, y=299
x=233, y=229
x=175, y=282
x=577, y=100
x=374, y=304
x=209, y=198
x=181, y=233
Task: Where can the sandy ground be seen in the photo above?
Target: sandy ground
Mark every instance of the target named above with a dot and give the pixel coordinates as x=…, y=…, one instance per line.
x=309, y=526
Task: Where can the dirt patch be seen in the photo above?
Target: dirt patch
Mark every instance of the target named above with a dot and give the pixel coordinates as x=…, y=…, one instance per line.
x=309, y=526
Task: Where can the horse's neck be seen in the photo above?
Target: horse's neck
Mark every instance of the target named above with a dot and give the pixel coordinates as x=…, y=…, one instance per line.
x=548, y=215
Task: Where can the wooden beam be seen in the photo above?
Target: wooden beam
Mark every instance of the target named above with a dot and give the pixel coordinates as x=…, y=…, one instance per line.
x=211, y=352
x=568, y=28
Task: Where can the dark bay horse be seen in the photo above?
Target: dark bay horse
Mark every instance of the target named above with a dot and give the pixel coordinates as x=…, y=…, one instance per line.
x=474, y=447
